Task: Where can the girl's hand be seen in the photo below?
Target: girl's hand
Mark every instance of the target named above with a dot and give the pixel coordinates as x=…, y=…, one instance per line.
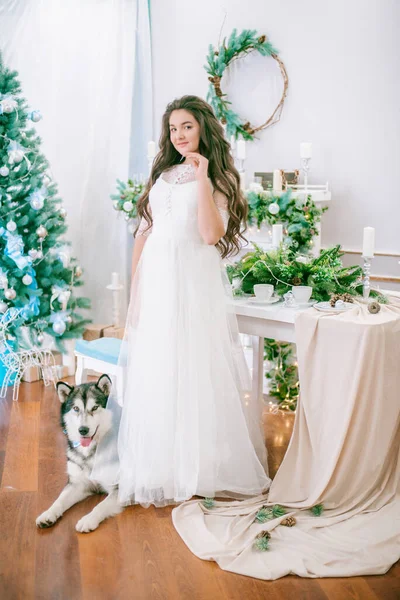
x=200, y=164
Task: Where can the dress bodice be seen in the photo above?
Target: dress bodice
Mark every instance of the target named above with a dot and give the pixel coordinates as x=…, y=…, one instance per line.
x=173, y=204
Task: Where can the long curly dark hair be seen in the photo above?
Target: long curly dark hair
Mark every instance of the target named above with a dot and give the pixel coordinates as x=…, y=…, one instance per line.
x=221, y=169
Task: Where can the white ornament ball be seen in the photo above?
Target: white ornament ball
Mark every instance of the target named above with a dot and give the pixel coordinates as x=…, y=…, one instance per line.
x=18, y=156
x=37, y=202
x=116, y=204
x=59, y=327
x=11, y=226
x=10, y=294
x=273, y=208
x=27, y=279
x=36, y=116
x=127, y=218
x=63, y=213
x=41, y=231
x=78, y=271
x=4, y=171
x=40, y=338
x=128, y=206
x=3, y=307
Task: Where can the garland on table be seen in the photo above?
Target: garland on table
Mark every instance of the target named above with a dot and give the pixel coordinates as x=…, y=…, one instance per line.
x=299, y=217
x=217, y=62
x=325, y=273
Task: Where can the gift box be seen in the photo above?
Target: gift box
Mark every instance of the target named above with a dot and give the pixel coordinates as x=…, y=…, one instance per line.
x=115, y=332
x=94, y=331
x=34, y=373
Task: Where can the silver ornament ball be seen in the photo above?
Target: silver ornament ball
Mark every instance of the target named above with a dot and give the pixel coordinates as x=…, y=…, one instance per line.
x=4, y=171
x=59, y=327
x=11, y=226
x=128, y=206
x=10, y=294
x=27, y=279
x=37, y=203
x=273, y=208
x=41, y=231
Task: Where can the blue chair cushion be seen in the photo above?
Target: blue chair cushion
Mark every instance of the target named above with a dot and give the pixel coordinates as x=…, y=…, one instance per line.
x=106, y=348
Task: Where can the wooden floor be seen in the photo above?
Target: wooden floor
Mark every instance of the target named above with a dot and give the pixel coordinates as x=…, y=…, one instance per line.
x=137, y=555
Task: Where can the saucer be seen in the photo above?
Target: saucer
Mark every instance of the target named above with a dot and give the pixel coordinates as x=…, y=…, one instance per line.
x=270, y=301
x=302, y=305
x=326, y=307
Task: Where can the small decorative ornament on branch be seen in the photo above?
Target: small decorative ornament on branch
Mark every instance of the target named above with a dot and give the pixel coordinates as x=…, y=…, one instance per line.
x=218, y=60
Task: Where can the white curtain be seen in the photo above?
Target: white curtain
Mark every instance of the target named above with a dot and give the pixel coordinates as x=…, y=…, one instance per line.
x=76, y=63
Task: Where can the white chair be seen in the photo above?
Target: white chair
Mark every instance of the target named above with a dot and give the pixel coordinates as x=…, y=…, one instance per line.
x=101, y=355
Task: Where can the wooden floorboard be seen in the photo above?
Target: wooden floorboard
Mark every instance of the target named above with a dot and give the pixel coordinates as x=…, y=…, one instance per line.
x=137, y=555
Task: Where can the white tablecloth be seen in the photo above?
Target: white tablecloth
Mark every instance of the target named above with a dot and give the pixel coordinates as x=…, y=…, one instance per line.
x=344, y=453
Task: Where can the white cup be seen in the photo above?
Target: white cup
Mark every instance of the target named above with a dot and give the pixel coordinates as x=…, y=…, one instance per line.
x=263, y=291
x=302, y=293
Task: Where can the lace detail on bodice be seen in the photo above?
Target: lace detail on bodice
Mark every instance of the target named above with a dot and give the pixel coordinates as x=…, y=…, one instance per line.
x=185, y=173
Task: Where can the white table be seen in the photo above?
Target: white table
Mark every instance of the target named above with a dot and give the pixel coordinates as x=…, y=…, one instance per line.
x=272, y=321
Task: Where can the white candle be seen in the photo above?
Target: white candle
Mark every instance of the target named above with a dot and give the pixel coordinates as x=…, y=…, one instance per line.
x=242, y=180
x=241, y=150
x=305, y=150
x=277, y=234
x=277, y=181
x=369, y=242
x=151, y=149
x=114, y=279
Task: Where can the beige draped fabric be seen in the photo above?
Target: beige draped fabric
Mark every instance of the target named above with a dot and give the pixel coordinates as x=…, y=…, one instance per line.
x=344, y=453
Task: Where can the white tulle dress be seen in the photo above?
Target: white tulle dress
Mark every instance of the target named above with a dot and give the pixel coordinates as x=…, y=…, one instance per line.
x=187, y=423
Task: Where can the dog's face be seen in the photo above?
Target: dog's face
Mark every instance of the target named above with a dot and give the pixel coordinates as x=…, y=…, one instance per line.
x=83, y=410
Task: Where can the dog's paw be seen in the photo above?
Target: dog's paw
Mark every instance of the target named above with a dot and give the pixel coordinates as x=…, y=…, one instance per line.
x=87, y=523
x=47, y=519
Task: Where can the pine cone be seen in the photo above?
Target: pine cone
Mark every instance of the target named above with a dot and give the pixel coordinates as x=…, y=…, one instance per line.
x=347, y=298
x=296, y=281
x=334, y=299
x=374, y=307
x=289, y=522
x=263, y=535
x=261, y=39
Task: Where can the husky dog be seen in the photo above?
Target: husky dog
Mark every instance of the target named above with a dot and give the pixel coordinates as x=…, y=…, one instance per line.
x=85, y=420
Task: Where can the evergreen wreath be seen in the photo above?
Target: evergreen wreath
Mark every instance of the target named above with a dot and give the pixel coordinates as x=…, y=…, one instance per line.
x=218, y=60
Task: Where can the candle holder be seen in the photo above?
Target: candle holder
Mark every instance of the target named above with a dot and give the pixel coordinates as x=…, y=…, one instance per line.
x=366, y=278
x=116, y=288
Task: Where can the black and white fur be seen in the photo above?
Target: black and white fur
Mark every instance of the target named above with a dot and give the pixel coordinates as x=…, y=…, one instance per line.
x=85, y=420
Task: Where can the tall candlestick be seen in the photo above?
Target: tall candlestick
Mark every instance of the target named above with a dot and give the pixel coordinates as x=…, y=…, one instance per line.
x=151, y=149
x=233, y=142
x=368, y=242
x=241, y=149
x=277, y=181
x=277, y=234
x=305, y=150
x=114, y=279
x=242, y=180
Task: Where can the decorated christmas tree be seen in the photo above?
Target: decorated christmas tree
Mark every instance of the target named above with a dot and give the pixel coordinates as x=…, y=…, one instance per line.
x=37, y=271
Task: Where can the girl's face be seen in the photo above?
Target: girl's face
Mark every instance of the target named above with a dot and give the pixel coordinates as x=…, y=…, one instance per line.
x=184, y=131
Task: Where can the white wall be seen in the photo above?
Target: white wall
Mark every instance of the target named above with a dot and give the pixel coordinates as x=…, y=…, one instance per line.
x=341, y=58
